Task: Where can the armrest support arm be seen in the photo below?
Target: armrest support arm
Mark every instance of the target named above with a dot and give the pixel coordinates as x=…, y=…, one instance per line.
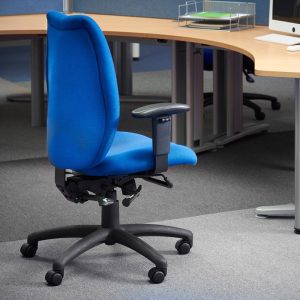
x=160, y=114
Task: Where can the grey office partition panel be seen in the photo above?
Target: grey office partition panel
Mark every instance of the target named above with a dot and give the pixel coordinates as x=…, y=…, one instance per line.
x=141, y=8
x=153, y=8
x=13, y=7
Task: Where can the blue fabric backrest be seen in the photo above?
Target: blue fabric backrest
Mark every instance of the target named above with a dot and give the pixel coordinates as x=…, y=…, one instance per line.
x=83, y=98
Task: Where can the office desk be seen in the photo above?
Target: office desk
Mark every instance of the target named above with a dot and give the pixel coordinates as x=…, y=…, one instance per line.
x=270, y=60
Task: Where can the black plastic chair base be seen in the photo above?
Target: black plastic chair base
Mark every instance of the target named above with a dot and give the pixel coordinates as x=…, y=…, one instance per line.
x=94, y=235
x=275, y=104
x=247, y=101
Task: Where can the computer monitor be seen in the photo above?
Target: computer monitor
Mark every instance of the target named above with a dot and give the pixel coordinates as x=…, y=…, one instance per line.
x=285, y=16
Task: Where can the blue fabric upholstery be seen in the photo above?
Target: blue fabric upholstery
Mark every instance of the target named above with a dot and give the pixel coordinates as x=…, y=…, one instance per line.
x=83, y=105
x=132, y=153
x=83, y=109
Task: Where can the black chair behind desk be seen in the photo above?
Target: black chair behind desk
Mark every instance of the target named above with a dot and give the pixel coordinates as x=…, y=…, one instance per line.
x=248, y=69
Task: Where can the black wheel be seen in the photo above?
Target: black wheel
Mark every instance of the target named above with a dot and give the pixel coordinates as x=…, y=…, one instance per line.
x=260, y=116
x=276, y=105
x=183, y=247
x=28, y=250
x=53, y=278
x=126, y=202
x=156, y=275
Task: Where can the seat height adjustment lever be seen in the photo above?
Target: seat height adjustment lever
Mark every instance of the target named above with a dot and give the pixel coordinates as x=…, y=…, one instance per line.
x=127, y=201
x=102, y=200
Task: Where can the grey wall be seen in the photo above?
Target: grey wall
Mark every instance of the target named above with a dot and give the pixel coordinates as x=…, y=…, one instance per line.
x=12, y=7
x=153, y=8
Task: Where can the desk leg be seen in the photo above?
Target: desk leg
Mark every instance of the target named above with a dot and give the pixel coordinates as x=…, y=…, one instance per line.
x=122, y=57
x=187, y=87
x=229, y=89
x=219, y=92
x=289, y=210
x=114, y=48
x=189, y=119
x=37, y=82
x=200, y=141
x=284, y=210
x=126, y=69
x=178, y=82
x=195, y=98
x=234, y=92
x=297, y=155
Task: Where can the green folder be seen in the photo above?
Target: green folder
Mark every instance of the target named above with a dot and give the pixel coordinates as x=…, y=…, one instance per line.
x=213, y=15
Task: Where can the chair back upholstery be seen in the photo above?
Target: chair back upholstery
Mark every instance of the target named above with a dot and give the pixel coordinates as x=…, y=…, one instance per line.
x=83, y=98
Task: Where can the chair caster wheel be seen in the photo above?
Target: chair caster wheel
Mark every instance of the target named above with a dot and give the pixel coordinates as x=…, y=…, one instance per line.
x=28, y=250
x=156, y=275
x=53, y=278
x=260, y=116
x=276, y=105
x=183, y=247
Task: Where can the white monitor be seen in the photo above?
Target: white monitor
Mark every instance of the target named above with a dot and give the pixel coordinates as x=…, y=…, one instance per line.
x=285, y=16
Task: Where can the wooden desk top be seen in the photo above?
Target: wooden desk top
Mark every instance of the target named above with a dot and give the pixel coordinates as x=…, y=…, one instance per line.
x=270, y=59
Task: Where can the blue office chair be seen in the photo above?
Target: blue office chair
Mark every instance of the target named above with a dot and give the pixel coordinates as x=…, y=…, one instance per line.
x=248, y=69
x=91, y=158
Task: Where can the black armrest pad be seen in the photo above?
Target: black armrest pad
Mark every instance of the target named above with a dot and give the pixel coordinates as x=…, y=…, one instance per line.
x=159, y=109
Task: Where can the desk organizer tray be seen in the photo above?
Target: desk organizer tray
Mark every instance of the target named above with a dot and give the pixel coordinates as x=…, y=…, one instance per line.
x=217, y=15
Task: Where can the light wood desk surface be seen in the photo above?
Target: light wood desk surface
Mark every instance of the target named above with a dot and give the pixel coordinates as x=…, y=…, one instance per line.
x=270, y=59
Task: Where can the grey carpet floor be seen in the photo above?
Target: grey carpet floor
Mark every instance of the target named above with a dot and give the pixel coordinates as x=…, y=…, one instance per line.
x=235, y=256
x=249, y=173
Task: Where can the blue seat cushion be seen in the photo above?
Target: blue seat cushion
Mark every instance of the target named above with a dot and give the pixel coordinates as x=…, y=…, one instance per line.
x=132, y=153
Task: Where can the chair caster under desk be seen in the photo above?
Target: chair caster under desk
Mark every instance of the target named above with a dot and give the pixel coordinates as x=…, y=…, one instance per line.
x=109, y=234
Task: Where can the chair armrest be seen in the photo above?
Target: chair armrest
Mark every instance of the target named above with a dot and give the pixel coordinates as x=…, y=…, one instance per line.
x=160, y=114
x=159, y=109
